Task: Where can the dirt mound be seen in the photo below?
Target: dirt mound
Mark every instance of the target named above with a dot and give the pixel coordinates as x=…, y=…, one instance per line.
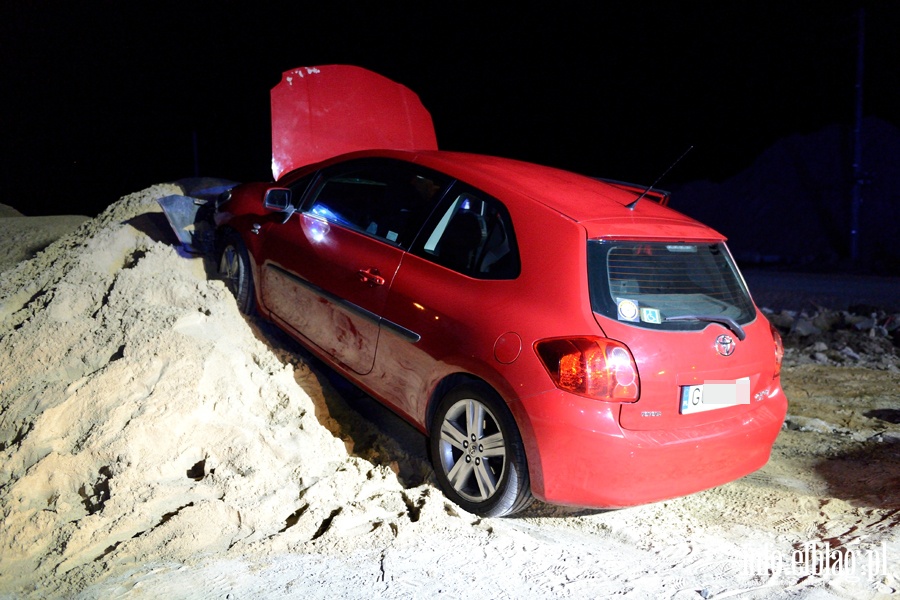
x=23, y=237
x=9, y=211
x=143, y=420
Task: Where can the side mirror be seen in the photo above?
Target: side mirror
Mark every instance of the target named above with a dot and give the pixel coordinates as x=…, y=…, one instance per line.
x=278, y=199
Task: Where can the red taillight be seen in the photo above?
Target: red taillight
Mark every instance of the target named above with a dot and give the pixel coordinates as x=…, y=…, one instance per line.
x=779, y=350
x=591, y=366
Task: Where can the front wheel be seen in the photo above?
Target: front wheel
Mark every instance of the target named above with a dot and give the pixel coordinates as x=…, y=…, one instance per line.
x=234, y=269
x=478, y=455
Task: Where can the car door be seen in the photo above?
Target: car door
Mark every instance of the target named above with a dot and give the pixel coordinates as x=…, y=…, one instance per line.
x=329, y=269
x=449, y=298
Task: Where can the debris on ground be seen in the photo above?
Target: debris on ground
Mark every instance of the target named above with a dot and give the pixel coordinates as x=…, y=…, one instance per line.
x=862, y=336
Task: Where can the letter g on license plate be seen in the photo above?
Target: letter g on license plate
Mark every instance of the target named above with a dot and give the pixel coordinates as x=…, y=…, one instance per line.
x=713, y=394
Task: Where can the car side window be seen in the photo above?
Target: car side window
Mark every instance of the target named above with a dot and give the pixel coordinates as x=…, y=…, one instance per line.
x=389, y=200
x=471, y=233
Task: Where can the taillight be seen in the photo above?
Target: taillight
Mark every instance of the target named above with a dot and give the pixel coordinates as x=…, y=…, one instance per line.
x=779, y=350
x=591, y=366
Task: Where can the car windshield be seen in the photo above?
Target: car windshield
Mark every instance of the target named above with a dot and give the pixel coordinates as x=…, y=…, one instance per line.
x=680, y=286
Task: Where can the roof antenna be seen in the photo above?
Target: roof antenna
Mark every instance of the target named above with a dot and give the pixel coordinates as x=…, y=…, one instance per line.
x=631, y=205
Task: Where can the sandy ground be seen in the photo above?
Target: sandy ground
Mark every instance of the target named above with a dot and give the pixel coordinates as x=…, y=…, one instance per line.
x=156, y=444
x=23, y=237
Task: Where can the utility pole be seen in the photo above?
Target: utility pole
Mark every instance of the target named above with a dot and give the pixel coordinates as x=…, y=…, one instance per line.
x=858, y=175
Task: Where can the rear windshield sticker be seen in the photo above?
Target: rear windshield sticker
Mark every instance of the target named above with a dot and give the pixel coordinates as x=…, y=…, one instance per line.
x=650, y=315
x=628, y=309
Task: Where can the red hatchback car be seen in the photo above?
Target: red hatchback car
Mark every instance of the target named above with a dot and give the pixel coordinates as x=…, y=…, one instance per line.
x=555, y=336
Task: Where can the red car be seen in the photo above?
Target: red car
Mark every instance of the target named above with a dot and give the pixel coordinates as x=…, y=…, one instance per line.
x=555, y=336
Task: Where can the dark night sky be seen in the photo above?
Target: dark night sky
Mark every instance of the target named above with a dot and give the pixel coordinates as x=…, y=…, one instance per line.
x=102, y=101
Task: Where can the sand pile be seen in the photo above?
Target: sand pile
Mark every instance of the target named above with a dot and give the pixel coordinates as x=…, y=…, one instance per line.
x=7, y=212
x=24, y=236
x=142, y=420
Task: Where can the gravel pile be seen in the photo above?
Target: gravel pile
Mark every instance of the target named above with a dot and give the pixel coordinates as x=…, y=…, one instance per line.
x=860, y=336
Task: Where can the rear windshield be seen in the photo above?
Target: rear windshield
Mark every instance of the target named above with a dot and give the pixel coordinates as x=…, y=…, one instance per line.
x=648, y=283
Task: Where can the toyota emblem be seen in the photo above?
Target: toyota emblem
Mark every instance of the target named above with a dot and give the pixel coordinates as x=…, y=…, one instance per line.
x=725, y=345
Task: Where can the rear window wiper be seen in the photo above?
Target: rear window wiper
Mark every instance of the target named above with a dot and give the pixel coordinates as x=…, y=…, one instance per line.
x=724, y=321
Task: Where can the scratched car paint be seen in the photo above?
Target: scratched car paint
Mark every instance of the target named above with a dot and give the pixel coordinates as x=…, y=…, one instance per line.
x=556, y=336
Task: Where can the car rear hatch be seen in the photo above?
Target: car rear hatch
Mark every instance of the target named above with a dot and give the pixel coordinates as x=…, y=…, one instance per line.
x=703, y=352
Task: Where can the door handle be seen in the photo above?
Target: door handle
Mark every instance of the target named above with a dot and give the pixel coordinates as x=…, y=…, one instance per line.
x=371, y=276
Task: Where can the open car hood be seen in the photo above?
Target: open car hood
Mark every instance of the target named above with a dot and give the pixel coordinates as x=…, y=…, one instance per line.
x=321, y=112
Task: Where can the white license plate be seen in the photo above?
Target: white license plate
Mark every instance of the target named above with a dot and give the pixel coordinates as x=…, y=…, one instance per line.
x=714, y=394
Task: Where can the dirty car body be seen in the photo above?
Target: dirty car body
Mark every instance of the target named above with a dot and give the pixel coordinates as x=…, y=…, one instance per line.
x=553, y=338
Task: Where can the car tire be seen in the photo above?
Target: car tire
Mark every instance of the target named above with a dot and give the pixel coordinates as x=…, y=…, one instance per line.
x=234, y=270
x=478, y=454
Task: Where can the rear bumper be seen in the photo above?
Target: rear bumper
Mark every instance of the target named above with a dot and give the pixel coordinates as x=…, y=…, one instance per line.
x=579, y=454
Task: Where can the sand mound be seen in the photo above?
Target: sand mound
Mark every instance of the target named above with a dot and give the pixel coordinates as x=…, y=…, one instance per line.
x=142, y=419
x=9, y=211
x=24, y=236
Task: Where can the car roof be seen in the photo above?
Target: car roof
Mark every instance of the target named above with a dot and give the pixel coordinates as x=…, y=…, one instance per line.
x=599, y=206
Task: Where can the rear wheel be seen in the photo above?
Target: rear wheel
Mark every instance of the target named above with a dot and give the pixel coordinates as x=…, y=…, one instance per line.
x=477, y=452
x=234, y=269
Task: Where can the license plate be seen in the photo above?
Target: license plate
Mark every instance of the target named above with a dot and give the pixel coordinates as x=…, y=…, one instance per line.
x=714, y=394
